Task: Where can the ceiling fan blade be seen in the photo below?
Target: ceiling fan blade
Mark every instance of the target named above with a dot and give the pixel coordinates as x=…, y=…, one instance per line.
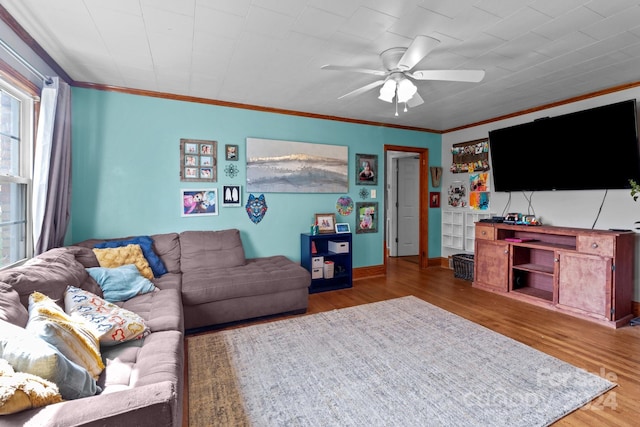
x=363, y=89
x=415, y=100
x=418, y=49
x=354, y=69
x=473, y=76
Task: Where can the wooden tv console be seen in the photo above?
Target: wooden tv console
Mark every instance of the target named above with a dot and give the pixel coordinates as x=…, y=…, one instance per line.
x=581, y=272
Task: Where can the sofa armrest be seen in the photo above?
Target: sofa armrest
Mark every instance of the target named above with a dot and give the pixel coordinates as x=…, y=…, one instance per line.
x=153, y=405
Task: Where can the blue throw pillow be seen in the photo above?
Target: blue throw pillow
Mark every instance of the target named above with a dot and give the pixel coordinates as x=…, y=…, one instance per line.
x=146, y=244
x=121, y=283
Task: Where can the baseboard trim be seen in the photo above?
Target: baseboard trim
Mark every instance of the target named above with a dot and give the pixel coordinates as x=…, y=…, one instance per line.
x=370, y=271
x=381, y=270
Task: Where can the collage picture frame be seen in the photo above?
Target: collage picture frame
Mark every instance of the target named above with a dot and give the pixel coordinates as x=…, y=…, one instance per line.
x=198, y=160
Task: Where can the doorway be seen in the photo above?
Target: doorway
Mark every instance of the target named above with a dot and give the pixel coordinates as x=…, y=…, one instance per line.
x=406, y=219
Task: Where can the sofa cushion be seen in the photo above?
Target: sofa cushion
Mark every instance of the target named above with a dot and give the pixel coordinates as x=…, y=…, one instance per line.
x=159, y=357
x=11, y=310
x=146, y=244
x=167, y=247
x=211, y=250
x=20, y=391
x=169, y=281
x=130, y=254
x=259, y=276
x=71, y=337
x=110, y=323
x=161, y=310
x=49, y=273
x=121, y=283
x=84, y=255
x=29, y=353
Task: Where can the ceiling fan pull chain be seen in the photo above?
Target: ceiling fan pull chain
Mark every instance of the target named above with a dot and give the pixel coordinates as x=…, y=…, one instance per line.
x=396, y=105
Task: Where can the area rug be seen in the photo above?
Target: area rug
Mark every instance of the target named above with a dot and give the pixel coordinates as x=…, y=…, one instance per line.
x=400, y=362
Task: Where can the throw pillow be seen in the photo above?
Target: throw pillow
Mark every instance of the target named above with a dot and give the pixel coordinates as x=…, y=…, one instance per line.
x=73, y=338
x=130, y=254
x=146, y=244
x=20, y=391
x=31, y=354
x=121, y=283
x=111, y=324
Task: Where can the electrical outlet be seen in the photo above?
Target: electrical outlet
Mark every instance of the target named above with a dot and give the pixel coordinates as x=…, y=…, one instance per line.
x=373, y=194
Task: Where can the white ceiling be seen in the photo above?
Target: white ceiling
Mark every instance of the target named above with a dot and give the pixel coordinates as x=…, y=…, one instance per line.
x=268, y=53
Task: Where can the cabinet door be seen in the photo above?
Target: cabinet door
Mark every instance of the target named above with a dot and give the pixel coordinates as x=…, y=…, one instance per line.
x=492, y=265
x=584, y=284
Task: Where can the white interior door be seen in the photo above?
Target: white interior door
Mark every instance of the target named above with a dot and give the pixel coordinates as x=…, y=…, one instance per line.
x=408, y=218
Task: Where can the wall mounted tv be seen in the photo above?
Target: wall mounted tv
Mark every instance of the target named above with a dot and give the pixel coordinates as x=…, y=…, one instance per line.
x=587, y=150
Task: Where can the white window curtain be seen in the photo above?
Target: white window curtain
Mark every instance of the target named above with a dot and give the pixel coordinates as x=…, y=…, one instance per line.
x=52, y=168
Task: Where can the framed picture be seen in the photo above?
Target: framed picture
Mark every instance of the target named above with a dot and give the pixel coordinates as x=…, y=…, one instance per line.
x=326, y=223
x=198, y=160
x=231, y=152
x=434, y=199
x=275, y=166
x=367, y=217
x=199, y=202
x=343, y=227
x=366, y=169
x=231, y=196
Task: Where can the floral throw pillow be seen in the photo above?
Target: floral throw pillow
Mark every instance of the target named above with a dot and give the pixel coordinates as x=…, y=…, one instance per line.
x=111, y=324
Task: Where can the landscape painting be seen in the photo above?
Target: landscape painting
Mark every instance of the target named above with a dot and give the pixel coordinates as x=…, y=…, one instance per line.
x=275, y=166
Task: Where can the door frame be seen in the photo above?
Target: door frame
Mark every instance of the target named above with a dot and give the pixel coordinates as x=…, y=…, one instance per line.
x=423, y=208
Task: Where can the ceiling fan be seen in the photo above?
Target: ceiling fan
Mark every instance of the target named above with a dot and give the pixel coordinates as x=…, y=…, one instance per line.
x=396, y=80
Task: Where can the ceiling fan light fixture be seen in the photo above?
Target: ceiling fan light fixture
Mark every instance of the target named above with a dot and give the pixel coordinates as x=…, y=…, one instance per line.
x=388, y=91
x=406, y=90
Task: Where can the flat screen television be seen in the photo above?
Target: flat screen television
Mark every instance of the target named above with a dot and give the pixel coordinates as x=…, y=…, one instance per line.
x=587, y=150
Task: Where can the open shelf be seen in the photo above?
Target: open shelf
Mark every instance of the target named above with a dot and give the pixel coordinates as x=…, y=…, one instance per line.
x=317, y=247
x=536, y=268
x=535, y=293
x=534, y=282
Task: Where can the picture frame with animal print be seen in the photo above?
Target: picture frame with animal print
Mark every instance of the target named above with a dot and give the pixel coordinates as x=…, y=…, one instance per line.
x=199, y=202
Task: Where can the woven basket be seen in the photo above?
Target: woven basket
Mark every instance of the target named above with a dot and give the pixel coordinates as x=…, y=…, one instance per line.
x=463, y=266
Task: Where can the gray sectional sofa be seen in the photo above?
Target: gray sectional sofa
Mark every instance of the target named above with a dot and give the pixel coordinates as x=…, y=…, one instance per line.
x=206, y=282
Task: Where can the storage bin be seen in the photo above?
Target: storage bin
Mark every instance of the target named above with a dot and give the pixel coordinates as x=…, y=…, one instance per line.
x=316, y=273
x=317, y=261
x=338, y=247
x=463, y=266
x=328, y=269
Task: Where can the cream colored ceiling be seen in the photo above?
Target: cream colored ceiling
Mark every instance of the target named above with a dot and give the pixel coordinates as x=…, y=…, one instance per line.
x=269, y=52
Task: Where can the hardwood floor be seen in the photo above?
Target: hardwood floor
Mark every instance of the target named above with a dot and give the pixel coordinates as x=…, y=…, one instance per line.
x=613, y=353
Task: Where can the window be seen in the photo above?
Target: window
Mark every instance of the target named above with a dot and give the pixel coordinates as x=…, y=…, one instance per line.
x=16, y=138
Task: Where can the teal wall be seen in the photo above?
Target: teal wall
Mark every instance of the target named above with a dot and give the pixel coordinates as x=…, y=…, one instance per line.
x=126, y=171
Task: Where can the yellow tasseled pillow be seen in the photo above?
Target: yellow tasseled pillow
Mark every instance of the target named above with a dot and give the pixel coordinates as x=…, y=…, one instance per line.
x=20, y=391
x=123, y=255
x=71, y=337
